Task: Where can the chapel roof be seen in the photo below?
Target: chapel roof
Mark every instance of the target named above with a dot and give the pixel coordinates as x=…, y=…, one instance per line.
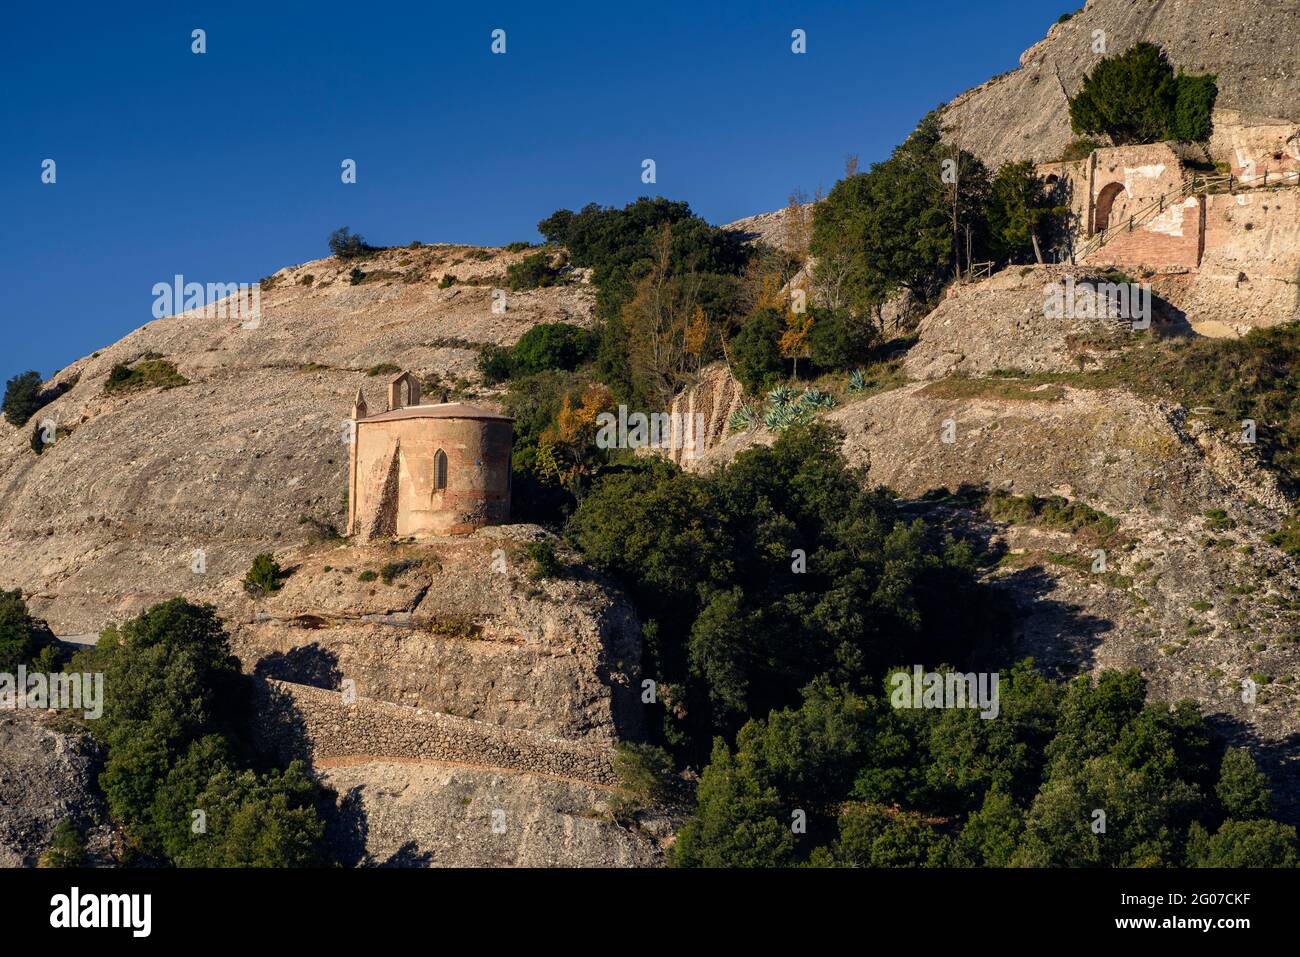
x=440, y=410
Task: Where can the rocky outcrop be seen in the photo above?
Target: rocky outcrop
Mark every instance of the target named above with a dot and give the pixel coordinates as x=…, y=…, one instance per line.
x=1004, y=323
x=406, y=814
x=458, y=628
x=1024, y=114
x=47, y=775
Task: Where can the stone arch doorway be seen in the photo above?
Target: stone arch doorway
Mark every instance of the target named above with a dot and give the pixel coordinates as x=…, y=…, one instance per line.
x=1104, y=210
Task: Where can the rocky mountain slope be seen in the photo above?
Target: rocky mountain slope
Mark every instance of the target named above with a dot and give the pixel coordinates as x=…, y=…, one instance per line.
x=109, y=518
x=1024, y=115
x=171, y=489
x=1192, y=591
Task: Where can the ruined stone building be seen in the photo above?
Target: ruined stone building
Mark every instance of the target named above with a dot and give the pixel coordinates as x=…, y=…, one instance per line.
x=421, y=470
x=1217, y=233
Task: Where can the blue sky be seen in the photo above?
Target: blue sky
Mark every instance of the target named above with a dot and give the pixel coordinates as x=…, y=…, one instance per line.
x=225, y=167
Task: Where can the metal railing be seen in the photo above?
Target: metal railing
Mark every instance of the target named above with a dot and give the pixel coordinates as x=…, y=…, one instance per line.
x=1196, y=184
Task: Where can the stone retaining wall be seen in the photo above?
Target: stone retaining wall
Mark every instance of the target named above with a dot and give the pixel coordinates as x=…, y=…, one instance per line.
x=298, y=721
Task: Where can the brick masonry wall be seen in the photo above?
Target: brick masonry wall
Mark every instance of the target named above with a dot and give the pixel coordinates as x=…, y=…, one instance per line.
x=298, y=721
x=1172, y=238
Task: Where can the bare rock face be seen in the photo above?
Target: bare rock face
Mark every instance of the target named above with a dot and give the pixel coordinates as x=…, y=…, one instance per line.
x=114, y=515
x=1024, y=114
x=785, y=228
x=393, y=814
x=1004, y=323
x=460, y=629
x=47, y=775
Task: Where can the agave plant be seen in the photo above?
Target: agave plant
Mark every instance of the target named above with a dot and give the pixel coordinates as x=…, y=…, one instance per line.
x=778, y=418
x=744, y=418
x=782, y=395
x=857, y=381
x=816, y=399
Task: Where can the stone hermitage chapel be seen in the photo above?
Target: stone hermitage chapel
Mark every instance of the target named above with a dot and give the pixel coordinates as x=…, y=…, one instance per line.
x=422, y=470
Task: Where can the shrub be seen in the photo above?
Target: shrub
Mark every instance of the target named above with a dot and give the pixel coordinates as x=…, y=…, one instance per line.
x=552, y=345
x=532, y=272
x=147, y=373
x=264, y=576
x=447, y=281
x=1079, y=148
x=545, y=562
x=495, y=364
x=356, y=276
x=67, y=849
x=394, y=570
x=383, y=368
x=346, y=244
x=320, y=530
x=517, y=247
x=367, y=576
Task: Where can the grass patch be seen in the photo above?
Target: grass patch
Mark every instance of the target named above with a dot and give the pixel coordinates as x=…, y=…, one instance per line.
x=147, y=373
x=1228, y=381
x=1089, y=524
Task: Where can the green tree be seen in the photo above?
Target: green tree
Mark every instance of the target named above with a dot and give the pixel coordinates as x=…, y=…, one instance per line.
x=622, y=247
x=738, y=822
x=992, y=835
x=756, y=352
x=1134, y=97
x=346, y=244
x=1194, y=107
x=1243, y=844
x=22, y=398
x=872, y=836
x=24, y=640
x=901, y=225
x=839, y=340
x=1018, y=212
x=1243, y=790
x=175, y=707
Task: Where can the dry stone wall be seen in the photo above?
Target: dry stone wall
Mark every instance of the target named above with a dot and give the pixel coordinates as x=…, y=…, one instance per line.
x=298, y=721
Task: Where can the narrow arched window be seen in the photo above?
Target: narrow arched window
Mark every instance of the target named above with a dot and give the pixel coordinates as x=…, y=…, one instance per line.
x=439, y=470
